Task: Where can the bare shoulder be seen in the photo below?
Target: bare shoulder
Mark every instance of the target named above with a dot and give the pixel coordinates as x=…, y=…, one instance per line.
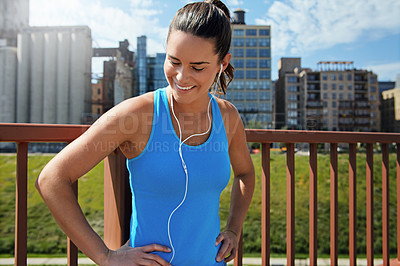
x=231, y=118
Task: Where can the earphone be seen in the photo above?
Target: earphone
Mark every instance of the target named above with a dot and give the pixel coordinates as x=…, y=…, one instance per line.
x=183, y=161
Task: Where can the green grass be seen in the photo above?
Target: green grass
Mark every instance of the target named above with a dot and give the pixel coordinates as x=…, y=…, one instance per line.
x=45, y=237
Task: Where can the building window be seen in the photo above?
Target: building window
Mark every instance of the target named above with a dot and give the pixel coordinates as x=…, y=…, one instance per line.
x=292, y=114
x=292, y=88
x=265, y=95
x=325, y=95
x=251, y=74
x=251, y=52
x=239, y=74
x=251, y=63
x=325, y=77
x=238, y=32
x=263, y=32
x=333, y=76
x=251, y=95
x=349, y=96
x=265, y=63
x=334, y=96
x=251, y=32
x=349, y=87
x=325, y=86
x=238, y=63
x=265, y=53
x=349, y=77
x=341, y=96
x=237, y=52
x=333, y=86
x=238, y=96
x=340, y=76
x=251, y=84
x=372, y=89
x=98, y=91
x=265, y=74
x=340, y=87
x=292, y=122
x=325, y=104
x=238, y=84
x=372, y=97
x=251, y=42
x=334, y=104
x=292, y=79
x=292, y=105
x=263, y=42
x=238, y=42
x=292, y=97
x=265, y=85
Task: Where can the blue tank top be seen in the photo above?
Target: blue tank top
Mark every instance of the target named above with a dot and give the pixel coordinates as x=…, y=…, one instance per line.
x=158, y=181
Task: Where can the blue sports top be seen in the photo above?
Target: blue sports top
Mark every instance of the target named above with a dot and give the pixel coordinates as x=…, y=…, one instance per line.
x=158, y=181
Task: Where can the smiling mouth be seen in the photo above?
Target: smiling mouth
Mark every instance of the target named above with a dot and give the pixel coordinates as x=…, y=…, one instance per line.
x=184, y=88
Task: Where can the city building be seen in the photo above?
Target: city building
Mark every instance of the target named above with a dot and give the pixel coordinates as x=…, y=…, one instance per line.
x=119, y=81
x=251, y=89
x=337, y=96
x=141, y=64
x=391, y=110
x=97, y=98
x=155, y=72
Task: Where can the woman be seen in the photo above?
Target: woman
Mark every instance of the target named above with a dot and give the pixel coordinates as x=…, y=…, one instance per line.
x=180, y=147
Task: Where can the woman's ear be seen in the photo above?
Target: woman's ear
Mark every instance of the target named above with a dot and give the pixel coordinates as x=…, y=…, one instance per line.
x=226, y=60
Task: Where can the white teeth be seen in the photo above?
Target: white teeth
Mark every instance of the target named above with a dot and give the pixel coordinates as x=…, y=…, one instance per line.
x=184, y=88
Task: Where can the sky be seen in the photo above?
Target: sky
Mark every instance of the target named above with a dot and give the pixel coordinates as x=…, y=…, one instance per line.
x=366, y=32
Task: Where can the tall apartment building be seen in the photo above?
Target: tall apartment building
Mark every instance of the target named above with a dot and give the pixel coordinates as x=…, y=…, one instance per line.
x=391, y=110
x=155, y=72
x=251, y=90
x=141, y=64
x=335, y=97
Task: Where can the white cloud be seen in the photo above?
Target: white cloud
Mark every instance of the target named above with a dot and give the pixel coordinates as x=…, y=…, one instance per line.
x=385, y=71
x=300, y=26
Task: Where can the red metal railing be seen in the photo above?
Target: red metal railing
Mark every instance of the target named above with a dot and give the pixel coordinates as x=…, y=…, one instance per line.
x=116, y=189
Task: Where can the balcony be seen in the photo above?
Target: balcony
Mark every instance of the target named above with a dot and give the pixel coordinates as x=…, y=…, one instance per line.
x=116, y=189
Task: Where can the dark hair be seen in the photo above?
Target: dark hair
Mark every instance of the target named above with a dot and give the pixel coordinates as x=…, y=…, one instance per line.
x=211, y=20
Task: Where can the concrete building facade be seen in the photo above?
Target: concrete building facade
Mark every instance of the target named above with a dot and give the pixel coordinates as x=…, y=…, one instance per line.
x=14, y=16
x=335, y=97
x=391, y=110
x=251, y=90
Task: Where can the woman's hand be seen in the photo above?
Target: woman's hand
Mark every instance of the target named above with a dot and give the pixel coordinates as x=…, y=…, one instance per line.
x=127, y=255
x=229, y=246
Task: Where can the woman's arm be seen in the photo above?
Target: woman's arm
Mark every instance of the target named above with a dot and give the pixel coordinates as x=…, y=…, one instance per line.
x=242, y=188
x=55, y=180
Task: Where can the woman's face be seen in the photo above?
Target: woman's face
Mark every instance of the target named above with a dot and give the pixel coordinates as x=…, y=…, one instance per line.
x=190, y=66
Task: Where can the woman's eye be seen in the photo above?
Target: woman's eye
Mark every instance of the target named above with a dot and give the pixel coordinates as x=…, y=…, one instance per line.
x=198, y=69
x=174, y=63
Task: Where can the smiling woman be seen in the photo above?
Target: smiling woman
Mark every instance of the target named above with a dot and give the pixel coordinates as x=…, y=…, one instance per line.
x=179, y=156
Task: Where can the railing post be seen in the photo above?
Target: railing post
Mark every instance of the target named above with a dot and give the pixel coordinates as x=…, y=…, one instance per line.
x=72, y=249
x=313, y=205
x=265, y=204
x=385, y=204
x=334, y=204
x=352, y=204
x=370, y=204
x=398, y=200
x=21, y=212
x=117, y=200
x=290, y=181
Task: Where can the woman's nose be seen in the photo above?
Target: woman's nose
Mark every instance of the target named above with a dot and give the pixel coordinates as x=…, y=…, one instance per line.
x=182, y=74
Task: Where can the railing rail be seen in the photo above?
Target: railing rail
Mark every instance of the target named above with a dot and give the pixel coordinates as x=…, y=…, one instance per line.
x=116, y=190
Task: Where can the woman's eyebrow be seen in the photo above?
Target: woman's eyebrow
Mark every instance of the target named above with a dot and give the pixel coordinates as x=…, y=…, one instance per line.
x=192, y=63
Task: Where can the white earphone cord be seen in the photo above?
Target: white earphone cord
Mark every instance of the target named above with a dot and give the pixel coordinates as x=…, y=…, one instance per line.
x=184, y=165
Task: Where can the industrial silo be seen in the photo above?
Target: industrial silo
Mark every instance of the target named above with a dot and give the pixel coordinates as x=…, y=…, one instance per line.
x=50, y=77
x=23, y=55
x=63, y=76
x=8, y=79
x=36, y=77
